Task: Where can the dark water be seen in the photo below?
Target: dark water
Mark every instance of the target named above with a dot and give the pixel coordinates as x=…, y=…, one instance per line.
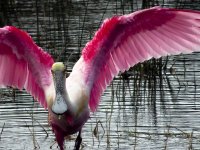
x=144, y=112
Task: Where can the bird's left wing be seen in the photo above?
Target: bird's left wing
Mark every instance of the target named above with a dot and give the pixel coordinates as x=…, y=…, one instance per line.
x=23, y=64
x=124, y=41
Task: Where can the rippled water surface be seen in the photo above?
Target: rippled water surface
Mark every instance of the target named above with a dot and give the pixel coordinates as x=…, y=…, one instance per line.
x=142, y=112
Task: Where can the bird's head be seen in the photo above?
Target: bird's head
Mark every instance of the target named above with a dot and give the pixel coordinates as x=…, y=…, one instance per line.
x=60, y=103
x=58, y=66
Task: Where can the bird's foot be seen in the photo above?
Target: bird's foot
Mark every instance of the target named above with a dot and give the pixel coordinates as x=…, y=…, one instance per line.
x=78, y=141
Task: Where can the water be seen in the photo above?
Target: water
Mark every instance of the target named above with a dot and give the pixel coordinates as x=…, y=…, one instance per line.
x=137, y=113
x=171, y=121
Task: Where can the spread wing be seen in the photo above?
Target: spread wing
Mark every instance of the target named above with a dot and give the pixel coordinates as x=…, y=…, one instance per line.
x=124, y=41
x=23, y=64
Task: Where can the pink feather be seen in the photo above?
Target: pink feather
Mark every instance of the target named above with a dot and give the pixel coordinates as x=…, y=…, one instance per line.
x=23, y=63
x=124, y=41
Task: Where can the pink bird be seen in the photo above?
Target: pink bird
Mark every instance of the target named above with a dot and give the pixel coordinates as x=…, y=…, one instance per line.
x=121, y=42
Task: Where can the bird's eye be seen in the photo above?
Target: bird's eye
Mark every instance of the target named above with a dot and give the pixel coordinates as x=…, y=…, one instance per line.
x=52, y=71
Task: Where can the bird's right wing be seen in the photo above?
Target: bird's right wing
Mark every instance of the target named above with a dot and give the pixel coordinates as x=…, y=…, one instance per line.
x=123, y=41
x=23, y=64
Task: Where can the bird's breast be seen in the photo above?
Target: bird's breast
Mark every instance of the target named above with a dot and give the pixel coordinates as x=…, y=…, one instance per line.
x=68, y=123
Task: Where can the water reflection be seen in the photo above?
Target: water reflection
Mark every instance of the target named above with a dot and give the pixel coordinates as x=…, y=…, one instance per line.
x=170, y=122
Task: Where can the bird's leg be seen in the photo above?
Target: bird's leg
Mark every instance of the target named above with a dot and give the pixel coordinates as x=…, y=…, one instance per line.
x=78, y=141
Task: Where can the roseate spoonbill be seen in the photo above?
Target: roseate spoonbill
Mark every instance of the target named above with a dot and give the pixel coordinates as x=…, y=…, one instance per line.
x=121, y=42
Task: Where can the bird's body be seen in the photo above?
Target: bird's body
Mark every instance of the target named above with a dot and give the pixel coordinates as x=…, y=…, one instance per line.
x=67, y=124
x=121, y=42
x=78, y=111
